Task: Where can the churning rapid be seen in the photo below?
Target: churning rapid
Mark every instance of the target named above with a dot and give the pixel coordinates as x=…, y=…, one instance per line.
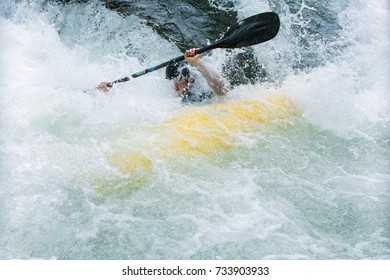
x=94, y=176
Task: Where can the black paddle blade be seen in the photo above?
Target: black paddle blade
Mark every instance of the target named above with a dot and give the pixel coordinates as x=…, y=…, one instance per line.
x=251, y=31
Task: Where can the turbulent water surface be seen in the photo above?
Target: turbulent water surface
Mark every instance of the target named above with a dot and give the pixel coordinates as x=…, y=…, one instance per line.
x=317, y=188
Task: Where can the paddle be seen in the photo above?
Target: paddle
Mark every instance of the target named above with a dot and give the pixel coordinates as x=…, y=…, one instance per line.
x=250, y=31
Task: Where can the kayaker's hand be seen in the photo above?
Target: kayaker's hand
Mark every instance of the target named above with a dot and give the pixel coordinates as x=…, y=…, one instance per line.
x=103, y=86
x=192, y=58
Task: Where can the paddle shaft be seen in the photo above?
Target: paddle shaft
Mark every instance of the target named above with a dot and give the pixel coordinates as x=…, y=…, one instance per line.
x=250, y=31
x=162, y=65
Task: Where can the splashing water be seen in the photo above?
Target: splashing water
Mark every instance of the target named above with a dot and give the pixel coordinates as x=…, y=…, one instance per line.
x=315, y=187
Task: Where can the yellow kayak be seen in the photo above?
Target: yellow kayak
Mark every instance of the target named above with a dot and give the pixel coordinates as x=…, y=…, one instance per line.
x=204, y=130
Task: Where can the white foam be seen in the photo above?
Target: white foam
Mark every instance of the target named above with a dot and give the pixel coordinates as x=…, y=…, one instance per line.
x=263, y=200
x=350, y=95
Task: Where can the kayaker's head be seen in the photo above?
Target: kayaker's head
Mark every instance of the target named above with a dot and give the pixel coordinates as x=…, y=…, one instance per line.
x=180, y=76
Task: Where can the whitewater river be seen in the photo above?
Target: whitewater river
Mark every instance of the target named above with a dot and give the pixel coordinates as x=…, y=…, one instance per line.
x=317, y=187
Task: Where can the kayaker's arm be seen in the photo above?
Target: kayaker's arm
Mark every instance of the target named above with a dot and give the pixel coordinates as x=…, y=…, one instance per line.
x=217, y=83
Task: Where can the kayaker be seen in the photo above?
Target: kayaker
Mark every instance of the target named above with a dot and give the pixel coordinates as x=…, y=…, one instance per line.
x=186, y=82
